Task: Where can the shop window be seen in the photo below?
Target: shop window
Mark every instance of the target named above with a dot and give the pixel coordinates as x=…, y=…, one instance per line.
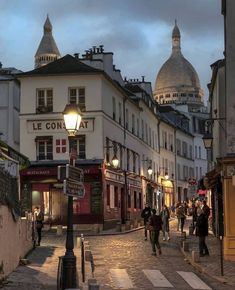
x=108, y=194
x=78, y=143
x=135, y=199
x=44, y=147
x=115, y=196
x=44, y=100
x=140, y=200
x=77, y=96
x=111, y=196
x=129, y=200
x=60, y=145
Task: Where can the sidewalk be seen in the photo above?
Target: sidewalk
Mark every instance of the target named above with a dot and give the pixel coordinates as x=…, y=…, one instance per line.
x=210, y=265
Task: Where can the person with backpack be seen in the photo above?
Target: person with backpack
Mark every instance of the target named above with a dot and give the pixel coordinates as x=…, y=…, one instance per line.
x=145, y=214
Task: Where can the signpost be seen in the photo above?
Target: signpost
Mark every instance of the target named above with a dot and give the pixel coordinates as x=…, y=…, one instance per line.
x=73, y=180
x=74, y=188
x=70, y=172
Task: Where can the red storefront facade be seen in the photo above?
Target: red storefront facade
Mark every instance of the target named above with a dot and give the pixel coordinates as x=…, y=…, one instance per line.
x=40, y=187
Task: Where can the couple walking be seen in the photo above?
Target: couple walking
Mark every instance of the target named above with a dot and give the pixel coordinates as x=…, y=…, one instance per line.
x=155, y=223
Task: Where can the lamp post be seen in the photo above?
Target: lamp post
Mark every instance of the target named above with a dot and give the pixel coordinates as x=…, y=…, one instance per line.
x=72, y=120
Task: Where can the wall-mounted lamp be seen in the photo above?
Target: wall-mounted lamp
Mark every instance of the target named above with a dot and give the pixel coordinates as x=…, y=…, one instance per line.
x=207, y=140
x=115, y=160
x=150, y=170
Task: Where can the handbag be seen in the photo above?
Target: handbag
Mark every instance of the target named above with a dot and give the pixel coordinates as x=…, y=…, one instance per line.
x=39, y=225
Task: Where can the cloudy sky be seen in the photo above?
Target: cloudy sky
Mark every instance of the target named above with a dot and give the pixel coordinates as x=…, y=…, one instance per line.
x=137, y=31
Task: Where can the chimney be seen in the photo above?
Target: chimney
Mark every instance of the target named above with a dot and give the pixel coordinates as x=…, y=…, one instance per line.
x=101, y=48
x=76, y=55
x=94, y=48
x=143, y=79
x=0, y=65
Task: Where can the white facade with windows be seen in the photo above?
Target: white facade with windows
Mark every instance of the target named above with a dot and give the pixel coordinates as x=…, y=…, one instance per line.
x=9, y=107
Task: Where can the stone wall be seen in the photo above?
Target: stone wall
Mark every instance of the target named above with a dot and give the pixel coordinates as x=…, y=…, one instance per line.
x=15, y=240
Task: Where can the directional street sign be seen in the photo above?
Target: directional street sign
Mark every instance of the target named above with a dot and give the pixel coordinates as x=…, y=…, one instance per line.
x=74, y=173
x=74, y=188
x=71, y=172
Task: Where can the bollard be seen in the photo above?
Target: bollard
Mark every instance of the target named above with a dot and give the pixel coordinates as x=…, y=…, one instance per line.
x=185, y=246
x=118, y=227
x=93, y=286
x=183, y=235
x=91, y=281
x=78, y=242
x=128, y=225
x=59, y=231
x=195, y=256
x=87, y=255
x=191, y=229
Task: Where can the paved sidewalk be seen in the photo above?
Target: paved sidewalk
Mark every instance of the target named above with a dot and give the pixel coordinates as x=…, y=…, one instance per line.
x=210, y=265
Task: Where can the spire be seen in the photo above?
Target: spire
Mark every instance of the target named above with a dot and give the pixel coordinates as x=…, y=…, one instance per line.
x=47, y=49
x=175, y=38
x=47, y=26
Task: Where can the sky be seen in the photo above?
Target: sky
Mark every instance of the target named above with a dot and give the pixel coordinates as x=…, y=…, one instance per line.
x=138, y=32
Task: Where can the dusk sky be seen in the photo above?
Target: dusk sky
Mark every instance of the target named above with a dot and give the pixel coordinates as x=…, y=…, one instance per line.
x=138, y=32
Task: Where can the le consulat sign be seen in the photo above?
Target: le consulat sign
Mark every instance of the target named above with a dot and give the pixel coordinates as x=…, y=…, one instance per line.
x=43, y=126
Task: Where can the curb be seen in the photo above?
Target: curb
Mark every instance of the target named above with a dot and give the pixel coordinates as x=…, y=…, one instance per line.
x=113, y=233
x=90, y=234
x=201, y=269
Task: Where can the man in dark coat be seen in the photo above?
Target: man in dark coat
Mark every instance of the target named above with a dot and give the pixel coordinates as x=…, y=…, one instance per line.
x=156, y=226
x=146, y=213
x=202, y=232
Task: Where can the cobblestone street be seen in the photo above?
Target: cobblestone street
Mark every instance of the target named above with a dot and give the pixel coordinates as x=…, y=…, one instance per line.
x=133, y=254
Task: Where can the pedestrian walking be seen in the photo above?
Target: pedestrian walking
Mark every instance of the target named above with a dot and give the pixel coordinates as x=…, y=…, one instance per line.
x=202, y=232
x=38, y=218
x=180, y=212
x=205, y=209
x=145, y=214
x=155, y=228
x=165, y=215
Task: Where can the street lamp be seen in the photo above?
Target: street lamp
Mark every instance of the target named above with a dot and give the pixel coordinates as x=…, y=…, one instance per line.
x=150, y=170
x=72, y=119
x=207, y=140
x=115, y=161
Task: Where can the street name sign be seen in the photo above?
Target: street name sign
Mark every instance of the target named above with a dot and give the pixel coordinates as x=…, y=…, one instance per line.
x=74, y=188
x=70, y=172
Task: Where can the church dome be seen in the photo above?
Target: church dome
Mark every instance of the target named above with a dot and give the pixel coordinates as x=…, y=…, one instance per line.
x=177, y=72
x=177, y=80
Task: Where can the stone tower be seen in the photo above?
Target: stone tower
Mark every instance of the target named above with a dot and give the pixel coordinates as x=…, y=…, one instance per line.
x=47, y=50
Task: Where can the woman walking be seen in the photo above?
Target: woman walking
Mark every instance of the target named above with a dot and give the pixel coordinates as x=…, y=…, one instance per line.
x=165, y=215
